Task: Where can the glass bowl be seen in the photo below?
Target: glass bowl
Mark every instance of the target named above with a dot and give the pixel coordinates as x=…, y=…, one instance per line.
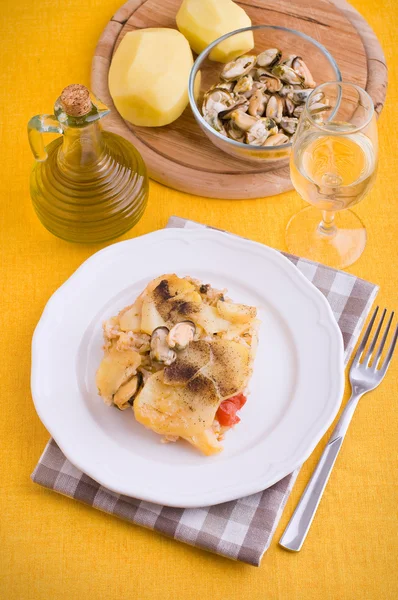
x=206, y=72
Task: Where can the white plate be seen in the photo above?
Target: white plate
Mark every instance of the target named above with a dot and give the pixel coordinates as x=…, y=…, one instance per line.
x=296, y=387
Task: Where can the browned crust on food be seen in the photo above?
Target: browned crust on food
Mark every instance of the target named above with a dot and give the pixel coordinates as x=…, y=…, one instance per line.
x=161, y=293
x=188, y=363
x=203, y=390
x=179, y=373
x=169, y=309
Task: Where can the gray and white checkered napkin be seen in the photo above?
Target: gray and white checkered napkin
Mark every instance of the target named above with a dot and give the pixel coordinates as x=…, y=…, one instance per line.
x=241, y=529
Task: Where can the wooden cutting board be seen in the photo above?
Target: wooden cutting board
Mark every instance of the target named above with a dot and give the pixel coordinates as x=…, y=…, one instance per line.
x=179, y=155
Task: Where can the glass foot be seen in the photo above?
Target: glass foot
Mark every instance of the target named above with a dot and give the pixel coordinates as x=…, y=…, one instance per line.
x=340, y=249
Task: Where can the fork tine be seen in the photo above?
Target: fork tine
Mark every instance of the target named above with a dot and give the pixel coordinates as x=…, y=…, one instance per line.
x=383, y=342
x=372, y=346
x=391, y=349
x=366, y=336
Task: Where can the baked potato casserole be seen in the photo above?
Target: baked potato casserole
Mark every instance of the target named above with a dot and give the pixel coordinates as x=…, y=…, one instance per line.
x=181, y=358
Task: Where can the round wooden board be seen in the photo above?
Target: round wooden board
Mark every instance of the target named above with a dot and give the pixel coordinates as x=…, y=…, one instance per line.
x=180, y=155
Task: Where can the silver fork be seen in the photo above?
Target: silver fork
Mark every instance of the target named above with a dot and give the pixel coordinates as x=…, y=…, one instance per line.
x=363, y=378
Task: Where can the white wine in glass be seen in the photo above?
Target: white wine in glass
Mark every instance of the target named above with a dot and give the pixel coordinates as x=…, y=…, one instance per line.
x=333, y=166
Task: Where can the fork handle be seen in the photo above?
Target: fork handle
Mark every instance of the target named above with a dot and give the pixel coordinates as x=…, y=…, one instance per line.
x=299, y=525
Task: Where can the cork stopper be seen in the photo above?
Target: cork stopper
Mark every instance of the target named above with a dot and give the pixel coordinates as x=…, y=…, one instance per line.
x=75, y=100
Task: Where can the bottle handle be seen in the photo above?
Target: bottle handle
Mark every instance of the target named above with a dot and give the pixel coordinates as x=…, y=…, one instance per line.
x=36, y=127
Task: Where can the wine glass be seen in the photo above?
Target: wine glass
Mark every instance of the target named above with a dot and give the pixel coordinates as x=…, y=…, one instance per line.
x=333, y=166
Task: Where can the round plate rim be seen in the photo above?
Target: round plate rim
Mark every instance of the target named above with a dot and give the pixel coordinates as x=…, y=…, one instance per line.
x=219, y=496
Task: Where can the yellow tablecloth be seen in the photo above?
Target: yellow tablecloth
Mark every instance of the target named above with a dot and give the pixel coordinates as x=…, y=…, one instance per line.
x=52, y=548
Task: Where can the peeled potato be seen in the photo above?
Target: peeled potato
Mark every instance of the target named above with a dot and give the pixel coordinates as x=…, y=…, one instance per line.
x=189, y=362
x=150, y=318
x=115, y=369
x=177, y=410
x=176, y=299
x=236, y=313
x=130, y=318
x=203, y=21
x=209, y=318
x=148, y=76
x=206, y=441
x=178, y=286
x=229, y=369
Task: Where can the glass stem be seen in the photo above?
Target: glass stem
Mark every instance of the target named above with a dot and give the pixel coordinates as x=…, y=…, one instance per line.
x=327, y=227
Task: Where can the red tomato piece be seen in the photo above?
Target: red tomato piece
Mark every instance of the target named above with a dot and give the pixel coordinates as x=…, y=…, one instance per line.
x=226, y=413
x=239, y=400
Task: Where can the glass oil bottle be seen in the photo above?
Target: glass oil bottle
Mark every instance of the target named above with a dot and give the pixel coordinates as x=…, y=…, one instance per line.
x=89, y=185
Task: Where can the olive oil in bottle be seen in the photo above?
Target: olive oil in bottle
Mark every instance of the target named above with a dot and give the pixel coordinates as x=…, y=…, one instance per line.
x=89, y=185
